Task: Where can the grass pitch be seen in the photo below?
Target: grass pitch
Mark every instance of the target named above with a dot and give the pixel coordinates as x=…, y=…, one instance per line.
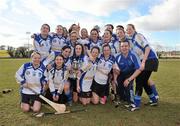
x=166, y=114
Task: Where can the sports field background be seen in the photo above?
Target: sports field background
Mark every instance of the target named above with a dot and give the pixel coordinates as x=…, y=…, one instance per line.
x=166, y=114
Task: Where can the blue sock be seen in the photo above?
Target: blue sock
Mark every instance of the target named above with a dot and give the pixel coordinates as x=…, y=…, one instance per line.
x=152, y=98
x=153, y=87
x=137, y=101
x=69, y=96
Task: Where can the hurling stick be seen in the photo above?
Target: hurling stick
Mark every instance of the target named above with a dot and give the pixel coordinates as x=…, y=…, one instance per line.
x=60, y=108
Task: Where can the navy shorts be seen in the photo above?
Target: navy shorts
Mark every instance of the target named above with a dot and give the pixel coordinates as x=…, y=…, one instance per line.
x=29, y=99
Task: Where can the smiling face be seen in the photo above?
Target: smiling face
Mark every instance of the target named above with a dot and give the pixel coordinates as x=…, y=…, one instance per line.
x=73, y=37
x=45, y=29
x=66, y=53
x=120, y=33
x=78, y=50
x=84, y=33
x=124, y=47
x=130, y=30
x=107, y=36
x=59, y=61
x=94, y=35
x=36, y=59
x=106, y=51
x=59, y=30
x=94, y=53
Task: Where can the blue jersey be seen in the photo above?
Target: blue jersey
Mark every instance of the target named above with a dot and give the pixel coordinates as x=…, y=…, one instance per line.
x=33, y=76
x=139, y=43
x=127, y=64
x=57, y=43
x=104, y=67
x=41, y=45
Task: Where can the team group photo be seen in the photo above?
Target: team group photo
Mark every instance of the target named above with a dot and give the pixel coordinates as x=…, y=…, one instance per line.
x=90, y=73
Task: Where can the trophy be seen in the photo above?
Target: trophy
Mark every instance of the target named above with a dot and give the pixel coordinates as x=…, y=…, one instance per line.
x=75, y=67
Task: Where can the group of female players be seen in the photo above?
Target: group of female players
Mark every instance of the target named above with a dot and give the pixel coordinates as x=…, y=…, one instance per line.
x=70, y=66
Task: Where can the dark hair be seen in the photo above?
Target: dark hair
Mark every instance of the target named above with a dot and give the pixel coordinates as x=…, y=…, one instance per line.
x=82, y=53
x=95, y=47
x=47, y=26
x=109, y=31
x=94, y=29
x=70, y=29
x=132, y=26
x=106, y=45
x=66, y=47
x=110, y=25
x=120, y=26
x=54, y=66
x=125, y=42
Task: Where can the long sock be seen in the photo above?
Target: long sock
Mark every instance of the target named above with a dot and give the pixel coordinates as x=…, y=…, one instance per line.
x=68, y=95
x=152, y=98
x=153, y=87
x=137, y=101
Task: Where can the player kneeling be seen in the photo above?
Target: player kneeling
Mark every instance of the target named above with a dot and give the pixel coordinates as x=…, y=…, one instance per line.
x=31, y=77
x=58, y=84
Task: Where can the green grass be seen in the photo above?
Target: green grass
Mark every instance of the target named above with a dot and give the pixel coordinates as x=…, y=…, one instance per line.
x=3, y=53
x=166, y=114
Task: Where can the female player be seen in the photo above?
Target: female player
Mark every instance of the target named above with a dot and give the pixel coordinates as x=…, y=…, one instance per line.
x=113, y=44
x=100, y=82
x=86, y=76
x=58, y=40
x=149, y=63
x=58, y=84
x=42, y=42
x=76, y=62
x=31, y=78
x=94, y=39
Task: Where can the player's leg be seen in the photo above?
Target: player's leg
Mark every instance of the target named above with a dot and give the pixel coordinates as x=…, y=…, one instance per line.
x=68, y=94
x=25, y=105
x=36, y=103
x=153, y=87
x=95, y=98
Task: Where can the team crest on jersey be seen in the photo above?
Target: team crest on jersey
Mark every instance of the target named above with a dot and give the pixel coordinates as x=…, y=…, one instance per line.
x=39, y=74
x=41, y=45
x=34, y=73
x=109, y=66
x=27, y=72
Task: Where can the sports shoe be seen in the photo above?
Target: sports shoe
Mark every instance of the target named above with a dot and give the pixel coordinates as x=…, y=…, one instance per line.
x=103, y=100
x=133, y=108
x=151, y=103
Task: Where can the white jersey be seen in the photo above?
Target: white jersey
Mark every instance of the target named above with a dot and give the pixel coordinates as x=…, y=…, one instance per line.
x=104, y=67
x=114, y=47
x=41, y=45
x=89, y=69
x=57, y=78
x=34, y=77
x=138, y=44
x=83, y=41
x=57, y=43
x=98, y=43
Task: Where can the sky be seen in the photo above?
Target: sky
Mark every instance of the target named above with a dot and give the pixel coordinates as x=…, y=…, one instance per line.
x=157, y=20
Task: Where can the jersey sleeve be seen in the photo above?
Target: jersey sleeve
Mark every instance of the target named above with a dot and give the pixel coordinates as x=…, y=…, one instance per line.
x=136, y=61
x=49, y=59
x=20, y=75
x=141, y=40
x=51, y=84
